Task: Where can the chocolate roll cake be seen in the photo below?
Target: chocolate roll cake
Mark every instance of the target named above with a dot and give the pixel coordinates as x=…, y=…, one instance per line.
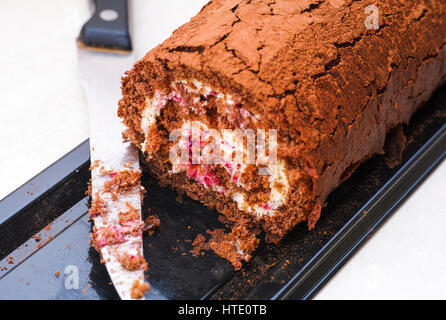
x=327, y=79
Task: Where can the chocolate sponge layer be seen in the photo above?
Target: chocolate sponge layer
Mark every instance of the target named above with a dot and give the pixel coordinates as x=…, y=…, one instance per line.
x=310, y=69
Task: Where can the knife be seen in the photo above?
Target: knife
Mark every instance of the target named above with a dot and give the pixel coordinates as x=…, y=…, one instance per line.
x=104, y=54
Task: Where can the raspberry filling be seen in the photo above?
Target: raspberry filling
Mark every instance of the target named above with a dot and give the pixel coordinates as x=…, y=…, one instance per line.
x=196, y=105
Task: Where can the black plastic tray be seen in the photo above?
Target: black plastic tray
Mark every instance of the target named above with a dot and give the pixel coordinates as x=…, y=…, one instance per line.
x=54, y=206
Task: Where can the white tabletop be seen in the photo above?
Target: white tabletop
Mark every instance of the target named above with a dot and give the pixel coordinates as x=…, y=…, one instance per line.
x=44, y=116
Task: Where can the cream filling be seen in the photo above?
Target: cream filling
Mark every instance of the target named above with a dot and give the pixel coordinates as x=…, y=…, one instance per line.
x=155, y=104
x=278, y=181
x=150, y=113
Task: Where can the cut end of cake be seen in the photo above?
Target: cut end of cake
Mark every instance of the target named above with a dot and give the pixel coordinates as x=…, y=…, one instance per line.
x=196, y=119
x=208, y=144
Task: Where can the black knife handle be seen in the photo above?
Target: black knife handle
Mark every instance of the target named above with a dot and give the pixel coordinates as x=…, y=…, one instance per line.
x=108, y=27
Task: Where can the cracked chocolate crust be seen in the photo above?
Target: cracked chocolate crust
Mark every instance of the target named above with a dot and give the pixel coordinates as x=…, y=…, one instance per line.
x=310, y=69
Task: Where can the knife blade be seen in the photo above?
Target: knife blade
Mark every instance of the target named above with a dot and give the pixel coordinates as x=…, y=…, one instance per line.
x=104, y=54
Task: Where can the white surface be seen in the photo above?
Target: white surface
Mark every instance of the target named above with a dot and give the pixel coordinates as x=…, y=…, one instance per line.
x=44, y=111
x=406, y=257
x=44, y=115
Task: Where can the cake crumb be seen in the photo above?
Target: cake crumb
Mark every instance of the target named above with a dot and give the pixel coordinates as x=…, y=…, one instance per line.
x=179, y=199
x=98, y=207
x=139, y=289
x=95, y=164
x=122, y=182
x=57, y=274
x=10, y=260
x=152, y=224
x=133, y=262
x=131, y=214
x=199, y=244
x=89, y=188
x=234, y=246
